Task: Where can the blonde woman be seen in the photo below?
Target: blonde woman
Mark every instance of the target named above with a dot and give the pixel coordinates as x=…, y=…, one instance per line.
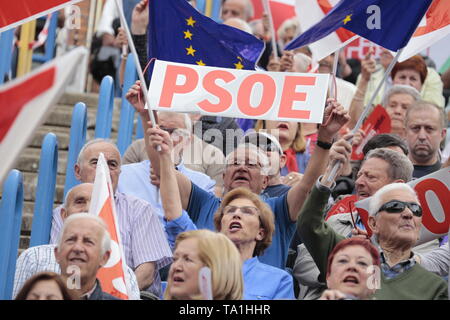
x=203, y=248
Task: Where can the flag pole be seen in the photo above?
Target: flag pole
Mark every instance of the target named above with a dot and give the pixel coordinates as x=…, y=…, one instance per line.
x=272, y=29
x=136, y=61
x=366, y=110
x=334, y=72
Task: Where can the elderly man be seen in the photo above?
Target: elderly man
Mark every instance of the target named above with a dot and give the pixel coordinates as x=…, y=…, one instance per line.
x=247, y=167
x=144, y=243
x=242, y=9
x=191, y=153
x=42, y=258
x=425, y=130
x=395, y=218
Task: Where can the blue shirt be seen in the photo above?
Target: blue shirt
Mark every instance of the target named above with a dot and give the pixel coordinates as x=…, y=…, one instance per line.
x=134, y=180
x=264, y=282
x=177, y=226
x=203, y=205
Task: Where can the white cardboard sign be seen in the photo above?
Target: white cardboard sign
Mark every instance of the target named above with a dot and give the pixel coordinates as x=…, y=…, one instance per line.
x=236, y=93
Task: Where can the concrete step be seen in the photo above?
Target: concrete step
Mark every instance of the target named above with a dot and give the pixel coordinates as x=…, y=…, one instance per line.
x=62, y=134
x=30, y=184
x=29, y=161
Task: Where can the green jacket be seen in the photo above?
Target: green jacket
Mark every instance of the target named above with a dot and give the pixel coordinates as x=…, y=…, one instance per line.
x=320, y=239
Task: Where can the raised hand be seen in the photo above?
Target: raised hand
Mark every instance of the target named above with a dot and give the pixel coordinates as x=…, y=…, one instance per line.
x=136, y=97
x=335, y=117
x=139, y=18
x=158, y=137
x=368, y=65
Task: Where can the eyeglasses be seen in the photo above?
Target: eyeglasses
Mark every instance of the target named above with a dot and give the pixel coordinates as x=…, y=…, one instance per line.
x=397, y=206
x=250, y=165
x=169, y=130
x=247, y=210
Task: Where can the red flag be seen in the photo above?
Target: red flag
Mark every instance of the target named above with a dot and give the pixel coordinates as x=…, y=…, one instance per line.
x=378, y=122
x=434, y=26
x=26, y=102
x=281, y=10
x=17, y=12
x=112, y=275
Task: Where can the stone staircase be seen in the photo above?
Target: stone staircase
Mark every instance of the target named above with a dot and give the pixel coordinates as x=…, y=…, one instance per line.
x=59, y=123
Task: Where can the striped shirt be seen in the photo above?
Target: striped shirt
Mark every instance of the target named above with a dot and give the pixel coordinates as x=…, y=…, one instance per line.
x=42, y=258
x=142, y=234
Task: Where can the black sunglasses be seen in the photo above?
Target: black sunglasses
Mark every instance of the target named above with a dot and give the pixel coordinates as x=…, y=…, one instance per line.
x=397, y=206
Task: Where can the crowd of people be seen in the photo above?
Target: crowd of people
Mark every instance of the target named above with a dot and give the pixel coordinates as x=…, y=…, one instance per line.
x=253, y=208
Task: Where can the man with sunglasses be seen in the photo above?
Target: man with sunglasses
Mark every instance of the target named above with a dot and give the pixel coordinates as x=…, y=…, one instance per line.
x=395, y=218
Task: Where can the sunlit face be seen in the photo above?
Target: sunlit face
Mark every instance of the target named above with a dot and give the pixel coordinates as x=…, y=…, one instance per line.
x=242, y=226
x=85, y=172
x=243, y=169
x=349, y=273
x=397, y=229
x=45, y=290
x=397, y=106
x=424, y=134
x=81, y=247
x=233, y=9
x=283, y=130
x=385, y=58
x=373, y=175
x=172, y=121
x=408, y=77
x=183, y=273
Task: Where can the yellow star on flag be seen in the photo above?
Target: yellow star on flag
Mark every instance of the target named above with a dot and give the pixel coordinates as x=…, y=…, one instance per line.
x=347, y=19
x=187, y=34
x=190, y=21
x=239, y=65
x=200, y=63
x=190, y=51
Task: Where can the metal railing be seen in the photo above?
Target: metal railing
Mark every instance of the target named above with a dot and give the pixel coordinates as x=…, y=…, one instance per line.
x=6, y=49
x=103, y=122
x=49, y=48
x=78, y=129
x=10, y=222
x=127, y=112
x=45, y=191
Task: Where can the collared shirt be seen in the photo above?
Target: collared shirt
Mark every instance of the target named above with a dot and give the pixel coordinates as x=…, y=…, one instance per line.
x=42, y=258
x=87, y=295
x=392, y=272
x=264, y=282
x=142, y=234
x=134, y=180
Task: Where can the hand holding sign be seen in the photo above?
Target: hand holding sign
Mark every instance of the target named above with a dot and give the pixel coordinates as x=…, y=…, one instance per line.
x=335, y=117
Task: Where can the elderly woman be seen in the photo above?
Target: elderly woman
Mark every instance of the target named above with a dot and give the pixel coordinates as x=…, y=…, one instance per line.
x=395, y=218
x=249, y=223
x=412, y=72
x=348, y=273
x=203, y=248
x=242, y=217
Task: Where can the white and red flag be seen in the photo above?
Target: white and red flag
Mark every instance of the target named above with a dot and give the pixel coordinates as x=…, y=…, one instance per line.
x=434, y=26
x=26, y=102
x=17, y=12
x=112, y=275
x=310, y=12
x=281, y=10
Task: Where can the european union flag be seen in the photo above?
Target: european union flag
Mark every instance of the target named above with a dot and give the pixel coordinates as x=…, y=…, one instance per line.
x=388, y=23
x=179, y=33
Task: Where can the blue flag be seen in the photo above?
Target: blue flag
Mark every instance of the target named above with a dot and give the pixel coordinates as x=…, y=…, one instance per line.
x=388, y=23
x=177, y=32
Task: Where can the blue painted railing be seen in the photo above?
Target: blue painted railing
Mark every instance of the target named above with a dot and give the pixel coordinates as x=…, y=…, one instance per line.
x=78, y=129
x=10, y=222
x=105, y=109
x=50, y=42
x=127, y=112
x=139, y=129
x=45, y=191
x=6, y=47
x=215, y=12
